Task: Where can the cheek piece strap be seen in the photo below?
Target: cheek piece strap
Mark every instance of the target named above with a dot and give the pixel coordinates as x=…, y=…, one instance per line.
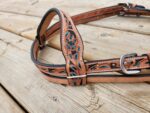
x=76, y=71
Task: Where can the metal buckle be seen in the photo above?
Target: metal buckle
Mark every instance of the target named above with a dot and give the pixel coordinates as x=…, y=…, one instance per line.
x=132, y=6
x=77, y=80
x=122, y=62
x=125, y=6
x=128, y=6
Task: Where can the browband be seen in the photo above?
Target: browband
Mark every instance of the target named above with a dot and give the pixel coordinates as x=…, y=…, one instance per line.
x=76, y=71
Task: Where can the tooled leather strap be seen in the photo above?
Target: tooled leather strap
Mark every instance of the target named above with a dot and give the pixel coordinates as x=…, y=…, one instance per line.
x=71, y=43
x=76, y=71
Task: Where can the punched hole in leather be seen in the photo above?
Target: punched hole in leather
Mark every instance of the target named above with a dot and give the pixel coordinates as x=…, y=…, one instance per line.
x=76, y=71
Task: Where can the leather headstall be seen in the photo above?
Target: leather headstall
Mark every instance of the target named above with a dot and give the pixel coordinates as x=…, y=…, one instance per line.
x=76, y=71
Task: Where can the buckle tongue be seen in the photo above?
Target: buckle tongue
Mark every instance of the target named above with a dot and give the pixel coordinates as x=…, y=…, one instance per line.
x=122, y=66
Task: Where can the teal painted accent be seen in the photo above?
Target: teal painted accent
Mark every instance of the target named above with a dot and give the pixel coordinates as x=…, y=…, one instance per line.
x=78, y=48
x=71, y=37
x=67, y=33
x=73, y=74
x=137, y=63
x=76, y=56
x=104, y=66
x=73, y=47
x=70, y=43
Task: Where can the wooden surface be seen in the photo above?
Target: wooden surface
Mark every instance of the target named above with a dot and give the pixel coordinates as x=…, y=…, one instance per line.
x=7, y=104
x=107, y=38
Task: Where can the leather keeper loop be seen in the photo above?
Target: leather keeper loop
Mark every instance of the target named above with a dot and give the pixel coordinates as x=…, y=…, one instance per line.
x=77, y=80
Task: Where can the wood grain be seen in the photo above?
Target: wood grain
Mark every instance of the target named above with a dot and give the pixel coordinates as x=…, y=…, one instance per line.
x=107, y=38
x=40, y=96
x=38, y=8
x=7, y=104
x=97, y=40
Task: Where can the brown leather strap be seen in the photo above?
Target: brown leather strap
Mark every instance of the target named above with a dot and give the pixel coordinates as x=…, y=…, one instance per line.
x=76, y=71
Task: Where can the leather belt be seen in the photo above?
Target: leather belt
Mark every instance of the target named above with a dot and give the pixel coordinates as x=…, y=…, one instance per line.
x=76, y=71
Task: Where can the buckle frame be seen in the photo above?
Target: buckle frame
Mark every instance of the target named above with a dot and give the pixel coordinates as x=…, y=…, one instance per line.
x=128, y=6
x=132, y=6
x=122, y=62
x=77, y=80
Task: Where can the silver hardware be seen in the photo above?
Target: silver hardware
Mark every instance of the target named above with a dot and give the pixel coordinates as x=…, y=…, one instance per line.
x=79, y=76
x=122, y=64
